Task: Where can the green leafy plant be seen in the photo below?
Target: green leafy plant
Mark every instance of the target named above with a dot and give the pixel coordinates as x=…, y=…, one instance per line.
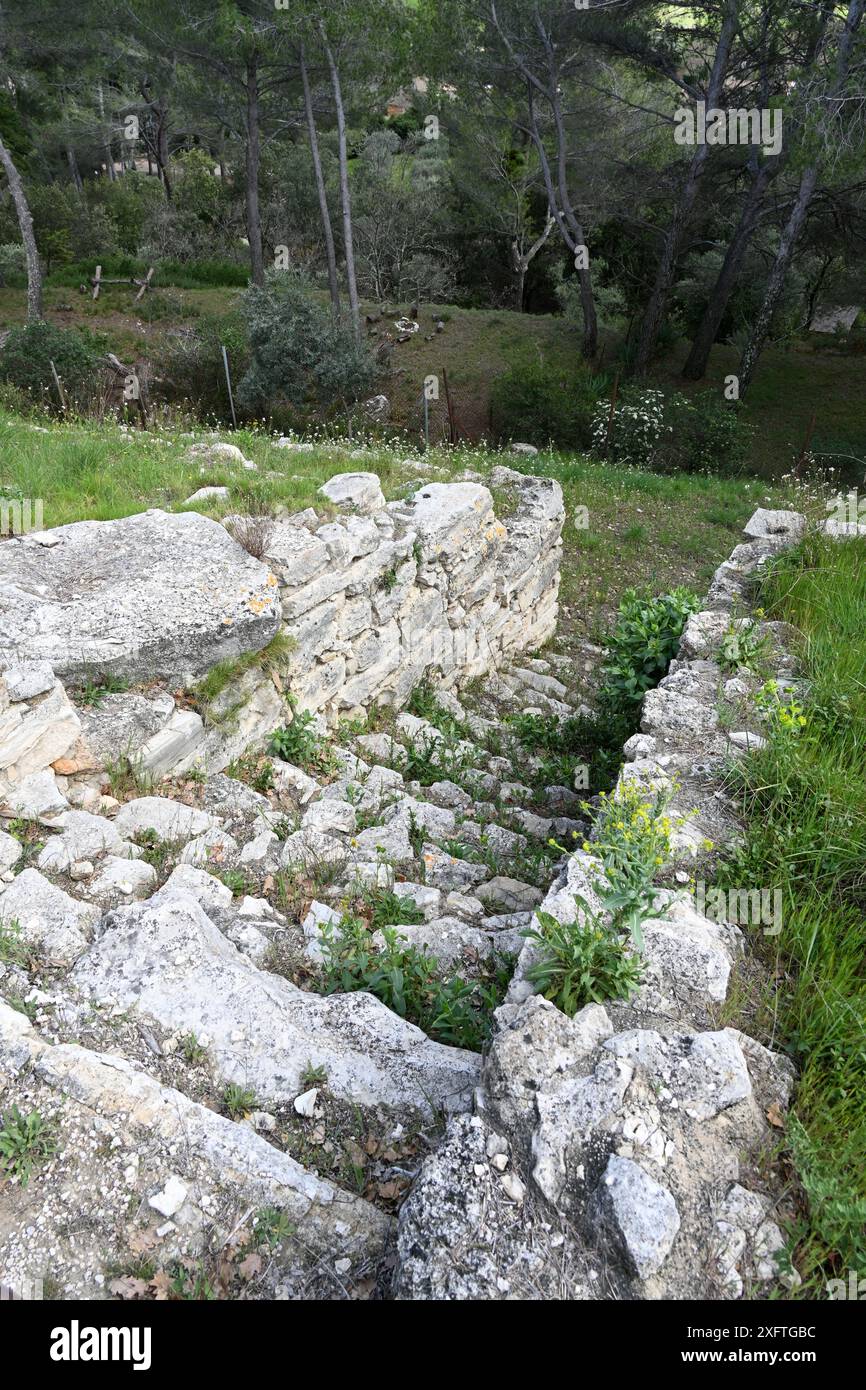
x=27, y=354
x=192, y=1049
x=94, y=692
x=238, y=1100
x=583, y=962
x=314, y=1075
x=236, y=880
x=633, y=841
x=256, y=771
x=644, y=641
x=299, y=359
x=390, y=909
x=272, y=1226
x=743, y=646
x=25, y=1142
x=783, y=713
x=455, y=1011
x=301, y=743
x=13, y=949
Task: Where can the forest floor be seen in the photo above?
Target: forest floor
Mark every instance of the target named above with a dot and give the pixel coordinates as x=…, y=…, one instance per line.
x=809, y=381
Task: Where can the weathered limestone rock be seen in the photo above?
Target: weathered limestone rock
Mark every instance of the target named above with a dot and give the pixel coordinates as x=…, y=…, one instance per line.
x=53, y=924
x=171, y=821
x=153, y=595
x=503, y=894
x=190, y=1164
x=168, y=960
x=461, y=1237
x=118, y=881
x=638, y=1214
x=360, y=492
x=27, y=679
x=36, y=797
x=84, y=836
x=121, y=724
x=240, y=720
x=10, y=851
x=36, y=730
x=765, y=522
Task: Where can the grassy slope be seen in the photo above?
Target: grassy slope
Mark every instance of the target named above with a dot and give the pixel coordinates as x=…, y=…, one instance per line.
x=805, y=807
x=478, y=345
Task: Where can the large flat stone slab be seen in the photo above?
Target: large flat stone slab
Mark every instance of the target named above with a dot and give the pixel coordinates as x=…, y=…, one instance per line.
x=152, y=595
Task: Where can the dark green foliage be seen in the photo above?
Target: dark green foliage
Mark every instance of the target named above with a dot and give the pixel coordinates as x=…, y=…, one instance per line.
x=582, y=962
x=644, y=641
x=455, y=1011
x=27, y=354
x=189, y=365
x=300, y=361
x=541, y=404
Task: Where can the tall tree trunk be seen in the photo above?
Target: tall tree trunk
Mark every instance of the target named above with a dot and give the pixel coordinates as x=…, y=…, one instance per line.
x=109, y=157
x=796, y=221
x=522, y=260
x=345, y=196
x=655, y=309
x=559, y=203
x=74, y=171
x=253, y=156
x=162, y=157
x=717, y=303
x=778, y=276
x=25, y=223
x=569, y=229
x=333, y=283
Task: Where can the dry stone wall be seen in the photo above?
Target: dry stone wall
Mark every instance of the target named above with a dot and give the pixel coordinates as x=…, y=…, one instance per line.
x=372, y=601
x=390, y=592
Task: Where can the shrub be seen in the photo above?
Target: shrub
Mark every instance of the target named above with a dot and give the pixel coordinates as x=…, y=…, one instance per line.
x=542, y=405
x=637, y=429
x=583, y=962
x=301, y=743
x=189, y=365
x=671, y=433
x=301, y=363
x=25, y=1142
x=644, y=642
x=12, y=263
x=27, y=354
x=633, y=841
x=705, y=435
x=127, y=204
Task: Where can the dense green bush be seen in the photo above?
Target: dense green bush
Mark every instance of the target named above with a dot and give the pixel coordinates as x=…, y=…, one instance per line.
x=27, y=354
x=706, y=435
x=12, y=264
x=457, y=1011
x=644, y=642
x=128, y=203
x=540, y=404
x=188, y=365
x=582, y=962
x=301, y=363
